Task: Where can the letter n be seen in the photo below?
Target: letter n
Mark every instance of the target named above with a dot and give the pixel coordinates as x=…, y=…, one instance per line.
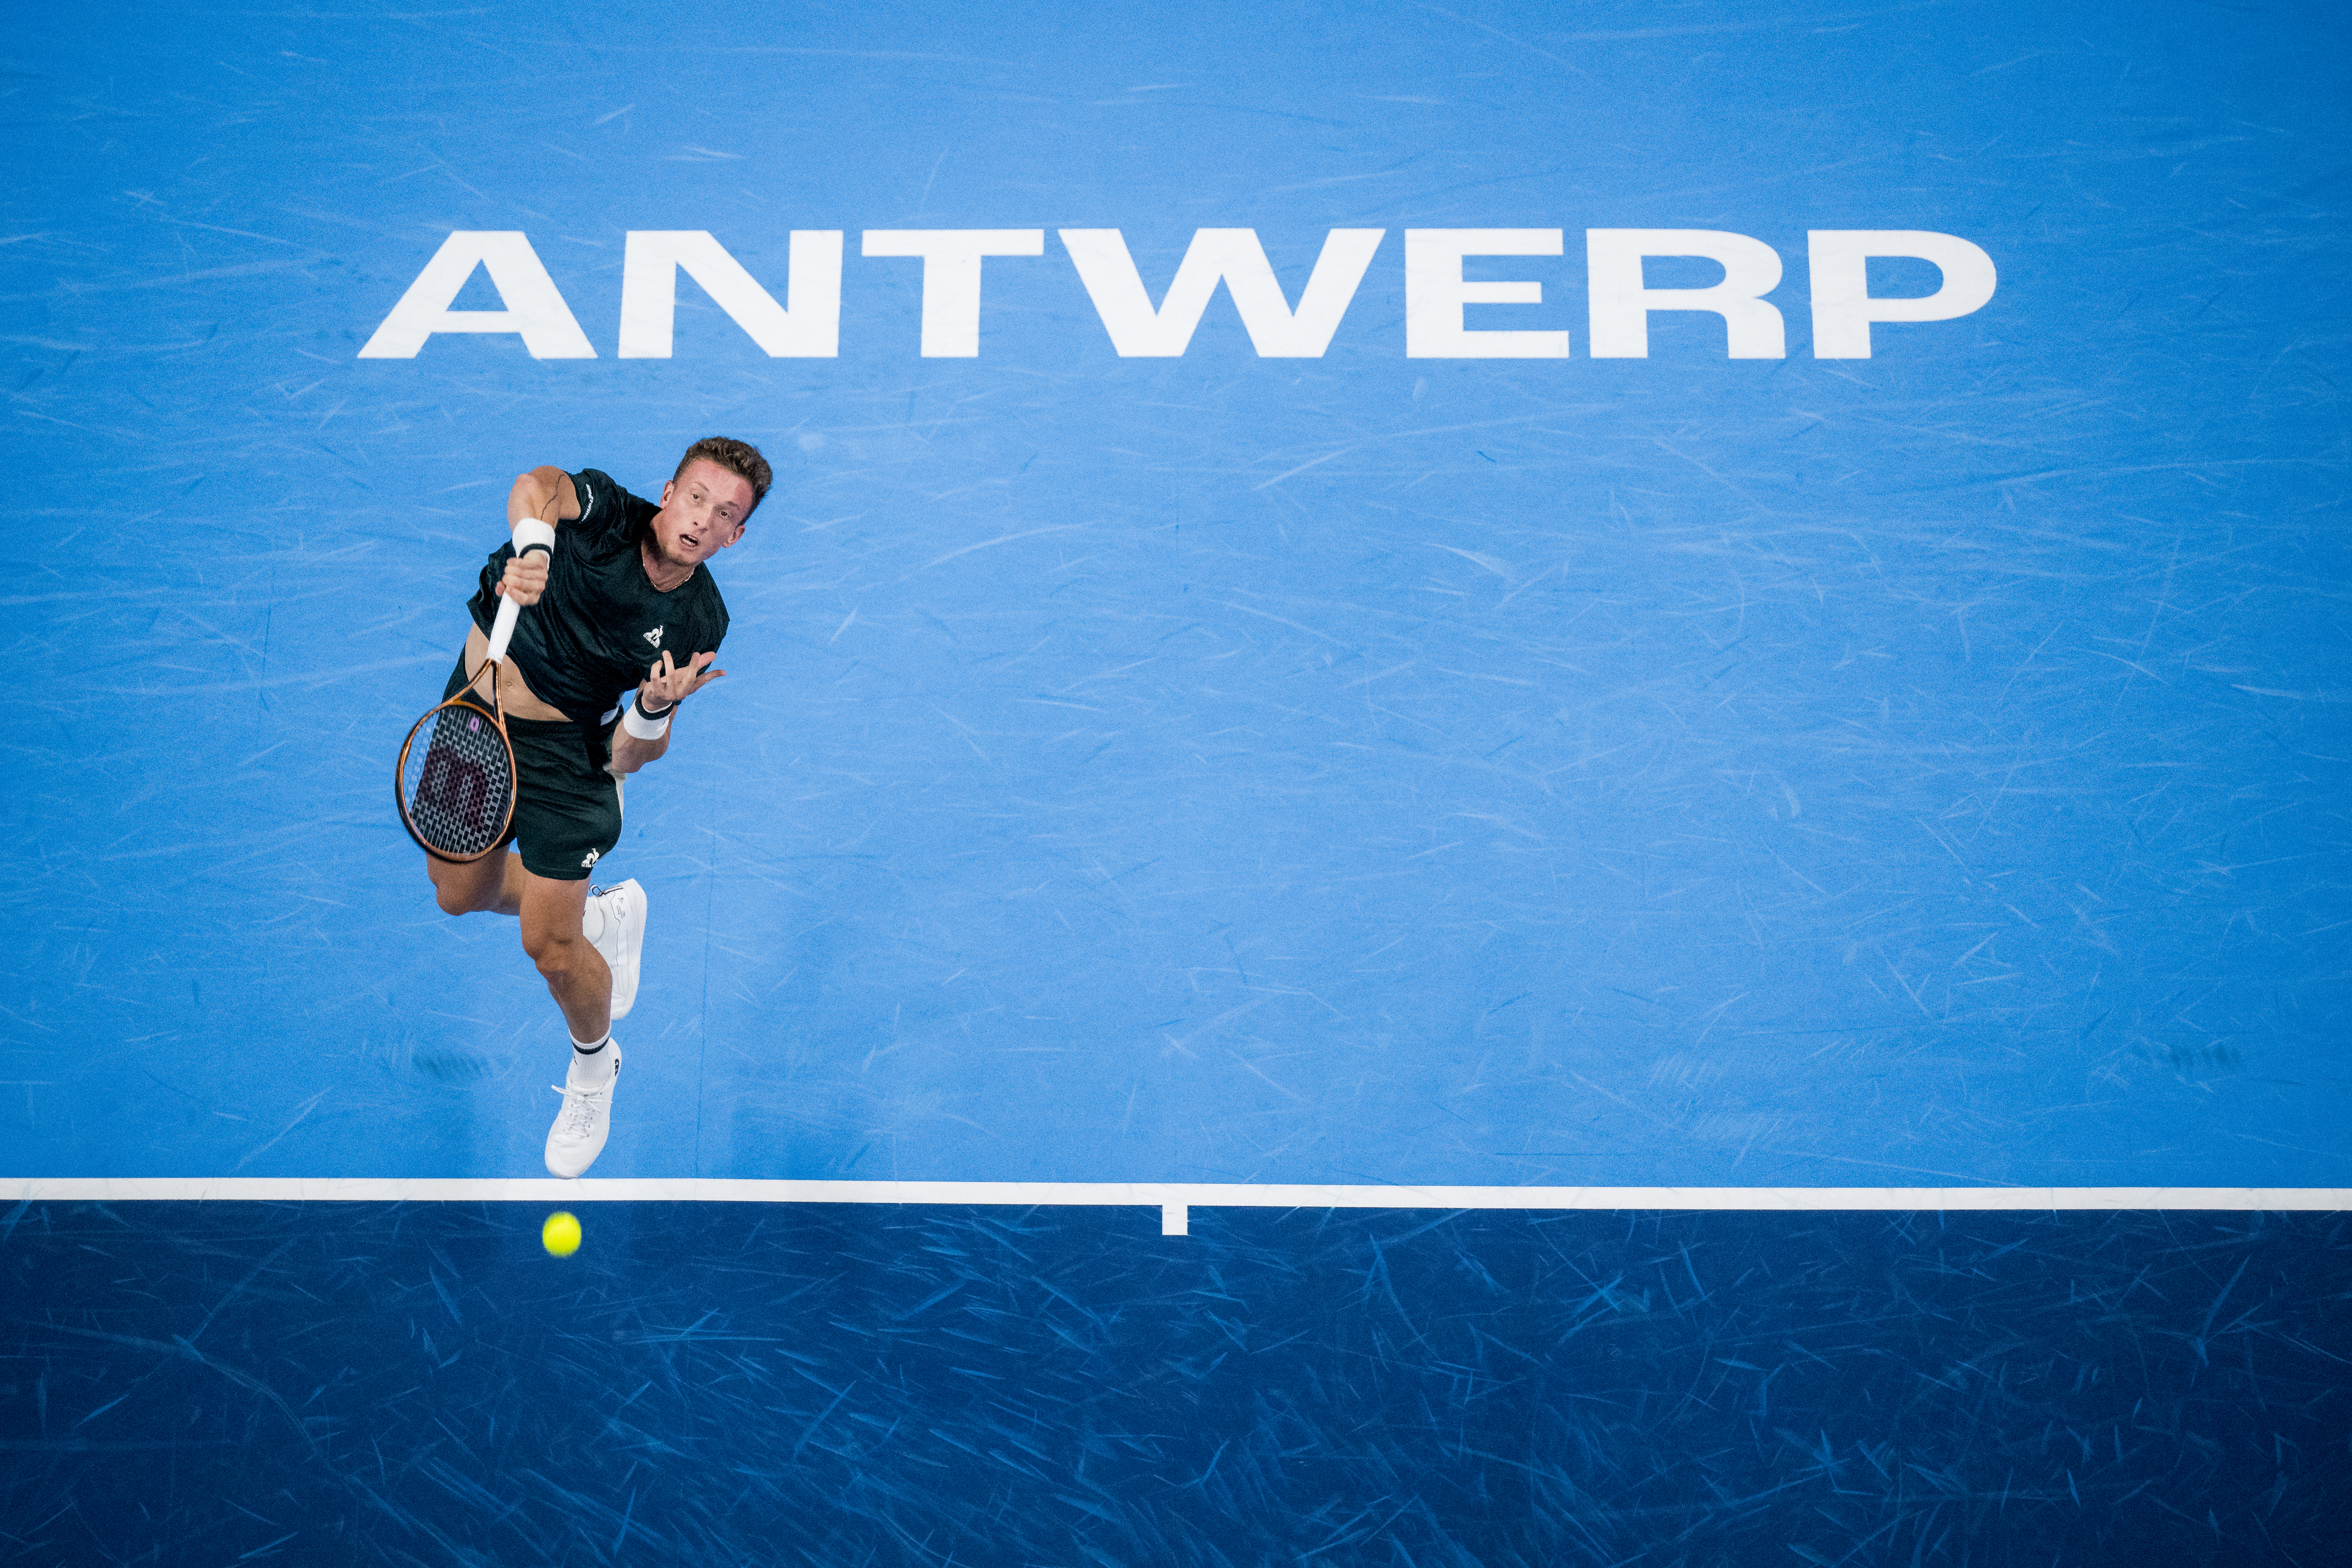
x=807, y=327
x=533, y=308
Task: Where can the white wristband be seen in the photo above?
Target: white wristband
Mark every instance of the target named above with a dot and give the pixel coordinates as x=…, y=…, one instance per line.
x=530, y=531
x=645, y=729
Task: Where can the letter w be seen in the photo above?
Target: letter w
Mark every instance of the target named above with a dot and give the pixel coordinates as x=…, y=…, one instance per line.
x=1234, y=258
x=807, y=327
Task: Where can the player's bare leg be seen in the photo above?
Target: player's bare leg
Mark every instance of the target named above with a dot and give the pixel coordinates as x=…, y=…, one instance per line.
x=581, y=985
x=574, y=971
x=492, y=885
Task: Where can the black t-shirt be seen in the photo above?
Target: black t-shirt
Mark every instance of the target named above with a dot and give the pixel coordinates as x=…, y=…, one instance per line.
x=601, y=626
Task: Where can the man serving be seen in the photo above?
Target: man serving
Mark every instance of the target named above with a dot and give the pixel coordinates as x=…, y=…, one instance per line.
x=620, y=599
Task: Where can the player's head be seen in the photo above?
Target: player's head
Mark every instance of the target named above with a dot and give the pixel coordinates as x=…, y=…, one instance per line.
x=738, y=457
x=718, y=483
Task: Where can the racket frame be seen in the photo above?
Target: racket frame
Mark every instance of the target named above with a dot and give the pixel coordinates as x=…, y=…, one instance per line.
x=493, y=664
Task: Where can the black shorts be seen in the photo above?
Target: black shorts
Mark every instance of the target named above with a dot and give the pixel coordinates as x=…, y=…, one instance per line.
x=567, y=807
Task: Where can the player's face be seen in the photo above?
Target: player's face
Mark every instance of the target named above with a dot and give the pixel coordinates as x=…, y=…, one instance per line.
x=702, y=512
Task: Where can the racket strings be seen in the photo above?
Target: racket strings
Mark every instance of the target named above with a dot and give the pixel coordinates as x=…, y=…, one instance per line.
x=458, y=786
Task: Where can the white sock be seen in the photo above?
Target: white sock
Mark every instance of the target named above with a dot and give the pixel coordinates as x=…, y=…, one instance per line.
x=592, y=921
x=593, y=1064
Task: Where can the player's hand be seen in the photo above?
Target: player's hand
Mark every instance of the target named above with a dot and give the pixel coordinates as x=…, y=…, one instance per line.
x=525, y=578
x=671, y=682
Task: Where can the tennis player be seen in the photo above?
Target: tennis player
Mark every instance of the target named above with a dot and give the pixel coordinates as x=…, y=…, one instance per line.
x=623, y=623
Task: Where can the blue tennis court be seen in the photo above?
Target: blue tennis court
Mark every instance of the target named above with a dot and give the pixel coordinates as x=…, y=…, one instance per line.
x=1497, y=784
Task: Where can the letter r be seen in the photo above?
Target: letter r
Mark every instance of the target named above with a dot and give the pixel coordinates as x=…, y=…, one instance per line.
x=1621, y=304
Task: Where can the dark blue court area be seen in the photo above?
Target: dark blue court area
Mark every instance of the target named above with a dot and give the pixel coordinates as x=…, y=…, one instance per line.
x=829, y=1385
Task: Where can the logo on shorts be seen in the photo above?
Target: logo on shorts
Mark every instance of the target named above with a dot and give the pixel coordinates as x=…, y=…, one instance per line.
x=654, y=637
x=594, y=856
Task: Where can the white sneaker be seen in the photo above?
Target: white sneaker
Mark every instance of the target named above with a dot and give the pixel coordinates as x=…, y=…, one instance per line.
x=585, y=1120
x=623, y=938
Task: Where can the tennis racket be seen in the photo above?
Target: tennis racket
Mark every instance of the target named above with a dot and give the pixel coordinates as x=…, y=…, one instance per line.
x=456, y=781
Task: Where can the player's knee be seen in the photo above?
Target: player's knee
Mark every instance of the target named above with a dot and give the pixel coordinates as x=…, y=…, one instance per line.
x=455, y=893
x=553, y=950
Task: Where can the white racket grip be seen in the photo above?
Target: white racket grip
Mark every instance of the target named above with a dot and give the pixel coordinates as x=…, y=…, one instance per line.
x=502, y=629
x=528, y=532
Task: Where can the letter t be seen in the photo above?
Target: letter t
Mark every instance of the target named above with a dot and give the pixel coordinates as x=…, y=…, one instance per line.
x=951, y=276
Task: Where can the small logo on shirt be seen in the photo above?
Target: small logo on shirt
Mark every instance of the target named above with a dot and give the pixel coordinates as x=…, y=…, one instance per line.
x=593, y=854
x=654, y=637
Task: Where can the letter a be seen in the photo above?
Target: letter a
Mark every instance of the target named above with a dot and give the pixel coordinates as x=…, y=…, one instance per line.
x=534, y=308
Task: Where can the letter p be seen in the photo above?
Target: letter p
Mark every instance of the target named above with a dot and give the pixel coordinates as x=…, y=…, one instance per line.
x=1844, y=307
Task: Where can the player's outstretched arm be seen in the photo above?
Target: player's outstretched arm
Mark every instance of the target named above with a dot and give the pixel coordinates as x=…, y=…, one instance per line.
x=543, y=496
x=536, y=491
x=644, y=732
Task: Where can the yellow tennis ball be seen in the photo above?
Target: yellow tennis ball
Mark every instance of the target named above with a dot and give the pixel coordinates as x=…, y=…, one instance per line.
x=559, y=1234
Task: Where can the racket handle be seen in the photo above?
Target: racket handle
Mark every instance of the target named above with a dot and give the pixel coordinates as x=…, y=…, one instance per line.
x=502, y=629
x=529, y=533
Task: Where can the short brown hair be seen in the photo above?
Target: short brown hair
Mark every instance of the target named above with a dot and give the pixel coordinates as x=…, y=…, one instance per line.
x=738, y=457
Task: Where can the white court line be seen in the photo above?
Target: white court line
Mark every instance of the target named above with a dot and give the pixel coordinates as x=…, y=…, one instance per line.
x=1144, y=1195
